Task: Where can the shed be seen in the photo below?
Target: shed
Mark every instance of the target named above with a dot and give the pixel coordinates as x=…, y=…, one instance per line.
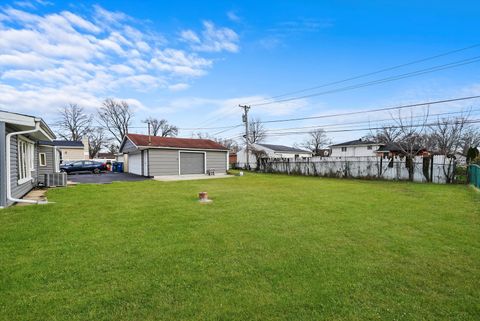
x=164, y=156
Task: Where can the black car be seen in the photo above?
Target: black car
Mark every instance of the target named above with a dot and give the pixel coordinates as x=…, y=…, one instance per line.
x=83, y=166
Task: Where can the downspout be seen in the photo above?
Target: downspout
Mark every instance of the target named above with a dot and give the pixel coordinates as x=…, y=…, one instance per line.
x=9, y=178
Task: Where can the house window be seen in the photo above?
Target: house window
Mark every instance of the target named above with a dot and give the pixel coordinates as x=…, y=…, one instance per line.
x=25, y=160
x=42, y=158
x=344, y=149
x=369, y=147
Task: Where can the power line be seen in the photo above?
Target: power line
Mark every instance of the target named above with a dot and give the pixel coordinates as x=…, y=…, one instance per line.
x=380, y=81
x=321, y=126
x=474, y=121
x=370, y=73
x=435, y=102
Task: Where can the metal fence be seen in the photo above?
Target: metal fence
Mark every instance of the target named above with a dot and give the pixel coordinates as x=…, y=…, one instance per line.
x=436, y=169
x=474, y=175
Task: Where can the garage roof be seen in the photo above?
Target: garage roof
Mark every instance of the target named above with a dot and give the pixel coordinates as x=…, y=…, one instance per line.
x=173, y=142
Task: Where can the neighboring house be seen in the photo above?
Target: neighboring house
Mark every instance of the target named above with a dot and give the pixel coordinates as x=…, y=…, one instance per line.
x=270, y=151
x=355, y=148
x=393, y=149
x=73, y=150
x=232, y=159
x=105, y=157
x=163, y=156
x=20, y=152
x=324, y=152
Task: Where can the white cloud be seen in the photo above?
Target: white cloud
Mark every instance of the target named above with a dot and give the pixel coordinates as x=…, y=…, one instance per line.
x=47, y=60
x=233, y=16
x=212, y=39
x=178, y=87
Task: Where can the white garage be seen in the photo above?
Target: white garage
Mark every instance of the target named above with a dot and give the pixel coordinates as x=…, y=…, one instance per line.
x=135, y=163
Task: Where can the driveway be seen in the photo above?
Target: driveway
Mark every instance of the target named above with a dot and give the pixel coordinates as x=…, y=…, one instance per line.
x=104, y=178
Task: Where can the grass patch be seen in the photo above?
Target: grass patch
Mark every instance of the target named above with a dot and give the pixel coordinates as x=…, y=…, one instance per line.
x=270, y=247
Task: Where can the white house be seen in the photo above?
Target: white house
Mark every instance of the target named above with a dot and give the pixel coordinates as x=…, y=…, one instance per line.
x=271, y=151
x=355, y=148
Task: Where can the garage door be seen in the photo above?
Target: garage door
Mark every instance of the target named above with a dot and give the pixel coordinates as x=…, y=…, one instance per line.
x=135, y=163
x=192, y=163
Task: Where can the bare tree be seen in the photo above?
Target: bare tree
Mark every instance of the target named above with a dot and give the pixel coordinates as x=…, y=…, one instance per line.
x=112, y=148
x=447, y=137
x=256, y=131
x=411, y=138
x=228, y=143
x=161, y=127
x=96, y=141
x=471, y=138
x=316, y=140
x=259, y=155
x=116, y=117
x=73, y=122
x=385, y=135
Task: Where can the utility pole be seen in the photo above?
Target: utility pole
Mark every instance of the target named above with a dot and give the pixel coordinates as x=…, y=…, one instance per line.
x=245, y=120
x=149, y=137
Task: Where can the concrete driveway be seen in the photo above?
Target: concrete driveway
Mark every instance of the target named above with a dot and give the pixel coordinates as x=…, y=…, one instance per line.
x=104, y=178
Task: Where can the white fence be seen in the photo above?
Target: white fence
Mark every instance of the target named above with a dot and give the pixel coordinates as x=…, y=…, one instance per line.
x=436, y=169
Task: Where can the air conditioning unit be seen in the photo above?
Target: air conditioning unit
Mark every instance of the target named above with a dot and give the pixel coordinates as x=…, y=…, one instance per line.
x=55, y=179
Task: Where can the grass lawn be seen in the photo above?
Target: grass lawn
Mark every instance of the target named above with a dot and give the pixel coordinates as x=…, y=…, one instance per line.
x=270, y=247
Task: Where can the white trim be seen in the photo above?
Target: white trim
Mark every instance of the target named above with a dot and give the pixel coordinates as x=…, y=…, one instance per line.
x=25, y=159
x=44, y=164
x=196, y=152
x=26, y=139
x=228, y=162
x=24, y=180
x=8, y=153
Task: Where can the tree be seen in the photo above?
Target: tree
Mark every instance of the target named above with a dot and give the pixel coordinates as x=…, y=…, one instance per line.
x=161, y=127
x=96, y=141
x=447, y=139
x=113, y=148
x=256, y=131
x=316, y=140
x=259, y=155
x=471, y=138
x=228, y=143
x=411, y=137
x=385, y=135
x=73, y=123
x=472, y=154
x=116, y=117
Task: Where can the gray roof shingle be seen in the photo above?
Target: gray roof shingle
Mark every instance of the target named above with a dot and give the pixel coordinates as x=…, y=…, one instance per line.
x=355, y=142
x=281, y=148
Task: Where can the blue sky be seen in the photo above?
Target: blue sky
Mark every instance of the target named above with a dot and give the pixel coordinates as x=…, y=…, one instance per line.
x=193, y=62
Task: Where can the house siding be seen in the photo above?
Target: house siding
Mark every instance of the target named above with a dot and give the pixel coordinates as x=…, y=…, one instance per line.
x=163, y=162
x=128, y=147
x=72, y=154
x=19, y=190
x=50, y=159
x=217, y=160
x=3, y=165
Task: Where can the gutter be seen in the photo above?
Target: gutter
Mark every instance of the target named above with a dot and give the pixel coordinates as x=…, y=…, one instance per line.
x=7, y=150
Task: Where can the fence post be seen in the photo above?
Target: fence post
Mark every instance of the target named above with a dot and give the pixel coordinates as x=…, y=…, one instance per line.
x=380, y=168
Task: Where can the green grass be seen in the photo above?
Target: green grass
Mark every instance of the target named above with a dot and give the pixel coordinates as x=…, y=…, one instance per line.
x=270, y=247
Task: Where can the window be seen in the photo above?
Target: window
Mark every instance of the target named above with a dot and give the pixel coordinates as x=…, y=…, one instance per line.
x=25, y=160
x=369, y=147
x=344, y=149
x=42, y=158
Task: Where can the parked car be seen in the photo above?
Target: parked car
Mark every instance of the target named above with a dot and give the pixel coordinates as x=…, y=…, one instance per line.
x=83, y=166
